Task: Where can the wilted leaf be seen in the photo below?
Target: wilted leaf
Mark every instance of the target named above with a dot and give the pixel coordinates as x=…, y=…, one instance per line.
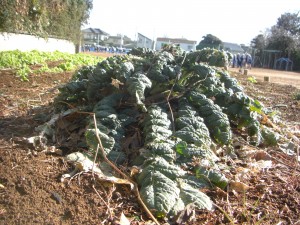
x=116, y=83
x=82, y=162
x=262, y=164
x=238, y=186
x=124, y=220
x=134, y=171
x=270, y=137
x=262, y=155
x=288, y=148
x=186, y=215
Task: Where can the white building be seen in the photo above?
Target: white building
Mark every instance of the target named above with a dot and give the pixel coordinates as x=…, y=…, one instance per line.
x=94, y=35
x=186, y=45
x=143, y=41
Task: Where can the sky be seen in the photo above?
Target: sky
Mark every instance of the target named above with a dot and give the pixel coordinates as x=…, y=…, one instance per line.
x=236, y=21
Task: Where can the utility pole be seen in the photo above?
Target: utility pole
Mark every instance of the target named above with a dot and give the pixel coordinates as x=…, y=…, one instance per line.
x=121, y=42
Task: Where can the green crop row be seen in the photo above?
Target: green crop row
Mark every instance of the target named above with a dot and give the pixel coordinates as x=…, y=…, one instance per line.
x=23, y=62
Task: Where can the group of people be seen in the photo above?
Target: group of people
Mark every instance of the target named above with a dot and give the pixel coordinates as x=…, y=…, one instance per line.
x=242, y=61
x=99, y=48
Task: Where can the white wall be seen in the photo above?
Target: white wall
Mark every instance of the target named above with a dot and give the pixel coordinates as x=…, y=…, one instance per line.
x=22, y=42
x=188, y=47
x=184, y=46
x=144, y=42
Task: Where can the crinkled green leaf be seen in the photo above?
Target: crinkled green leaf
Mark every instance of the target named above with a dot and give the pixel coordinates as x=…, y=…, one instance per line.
x=124, y=71
x=188, y=194
x=213, y=176
x=194, y=182
x=229, y=82
x=161, y=149
x=92, y=141
x=164, y=193
x=159, y=132
x=159, y=164
x=216, y=121
x=137, y=84
x=160, y=193
x=190, y=150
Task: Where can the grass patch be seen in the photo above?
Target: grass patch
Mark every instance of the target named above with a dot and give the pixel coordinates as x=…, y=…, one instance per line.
x=25, y=62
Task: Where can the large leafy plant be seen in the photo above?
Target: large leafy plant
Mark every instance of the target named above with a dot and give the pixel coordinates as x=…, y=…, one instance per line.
x=178, y=106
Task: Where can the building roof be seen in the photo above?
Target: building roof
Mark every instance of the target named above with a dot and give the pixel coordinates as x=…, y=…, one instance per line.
x=143, y=36
x=232, y=47
x=94, y=31
x=176, y=40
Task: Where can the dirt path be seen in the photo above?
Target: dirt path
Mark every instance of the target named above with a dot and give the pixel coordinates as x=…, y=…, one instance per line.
x=276, y=76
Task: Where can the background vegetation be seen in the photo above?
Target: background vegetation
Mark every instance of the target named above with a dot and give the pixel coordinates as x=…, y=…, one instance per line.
x=209, y=41
x=59, y=18
x=284, y=36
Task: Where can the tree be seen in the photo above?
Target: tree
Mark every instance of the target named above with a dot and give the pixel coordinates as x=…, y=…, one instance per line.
x=259, y=44
x=209, y=41
x=45, y=18
x=290, y=22
x=285, y=35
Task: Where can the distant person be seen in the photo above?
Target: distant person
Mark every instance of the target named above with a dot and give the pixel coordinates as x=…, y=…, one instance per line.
x=243, y=60
x=239, y=60
x=248, y=61
x=234, y=61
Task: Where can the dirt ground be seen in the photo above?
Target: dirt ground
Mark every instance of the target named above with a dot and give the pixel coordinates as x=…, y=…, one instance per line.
x=102, y=54
x=275, y=76
x=31, y=191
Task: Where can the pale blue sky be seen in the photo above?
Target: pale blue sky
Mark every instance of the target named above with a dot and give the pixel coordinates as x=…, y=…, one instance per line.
x=237, y=21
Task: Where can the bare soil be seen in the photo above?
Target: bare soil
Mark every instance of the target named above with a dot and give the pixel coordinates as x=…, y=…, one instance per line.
x=275, y=76
x=31, y=191
x=101, y=54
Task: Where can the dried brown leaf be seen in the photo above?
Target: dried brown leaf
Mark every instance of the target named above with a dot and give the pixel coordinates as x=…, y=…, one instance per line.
x=116, y=83
x=262, y=155
x=186, y=215
x=134, y=170
x=124, y=220
x=238, y=186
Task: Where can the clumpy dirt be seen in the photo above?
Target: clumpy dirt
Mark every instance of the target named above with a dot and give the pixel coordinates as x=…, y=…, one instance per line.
x=31, y=191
